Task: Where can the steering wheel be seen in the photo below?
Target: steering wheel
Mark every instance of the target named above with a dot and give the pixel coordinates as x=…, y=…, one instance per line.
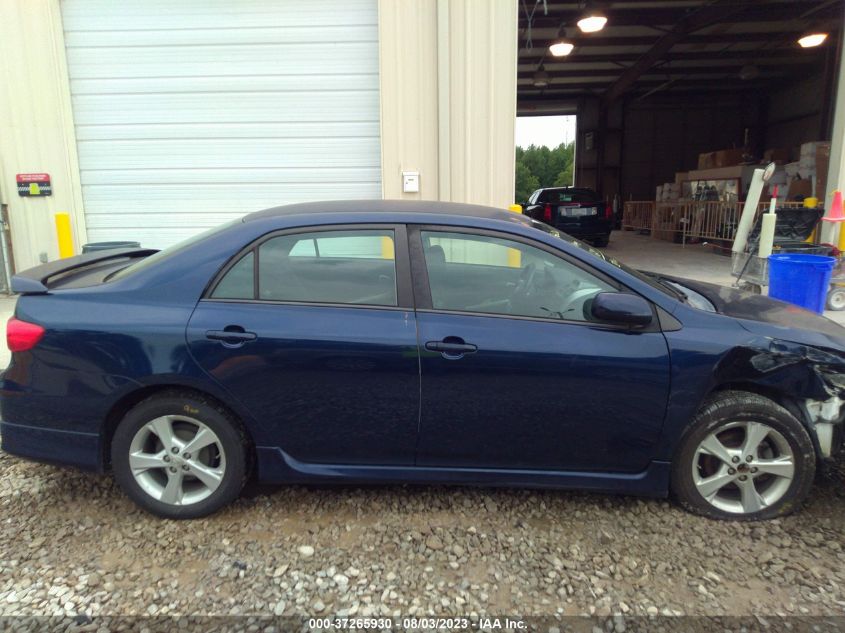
x=577, y=301
x=524, y=283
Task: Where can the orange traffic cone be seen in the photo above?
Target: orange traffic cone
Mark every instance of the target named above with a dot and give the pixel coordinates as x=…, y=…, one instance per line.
x=836, y=213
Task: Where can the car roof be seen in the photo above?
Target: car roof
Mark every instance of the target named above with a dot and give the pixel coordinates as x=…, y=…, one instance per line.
x=383, y=206
x=567, y=189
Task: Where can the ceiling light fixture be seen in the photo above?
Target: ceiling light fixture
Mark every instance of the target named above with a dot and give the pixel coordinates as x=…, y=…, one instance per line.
x=592, y=22
x=541, y=78
x=812, y=39
x=561, y=48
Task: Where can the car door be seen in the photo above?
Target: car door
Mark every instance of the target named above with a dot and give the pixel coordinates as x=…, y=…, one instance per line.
x=514, y=374
x=314, y=332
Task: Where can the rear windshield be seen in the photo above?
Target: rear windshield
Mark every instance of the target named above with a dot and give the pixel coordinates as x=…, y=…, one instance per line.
x=570, y=195
x=167, y=253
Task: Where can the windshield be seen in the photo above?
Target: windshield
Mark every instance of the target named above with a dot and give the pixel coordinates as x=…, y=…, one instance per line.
x=168, y=252
x=652, y=281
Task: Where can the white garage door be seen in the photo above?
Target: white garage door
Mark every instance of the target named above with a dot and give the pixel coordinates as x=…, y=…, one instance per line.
x=189, y=113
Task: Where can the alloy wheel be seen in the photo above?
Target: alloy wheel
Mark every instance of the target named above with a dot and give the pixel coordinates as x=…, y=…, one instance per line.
x=743, y=467
x=177, y=460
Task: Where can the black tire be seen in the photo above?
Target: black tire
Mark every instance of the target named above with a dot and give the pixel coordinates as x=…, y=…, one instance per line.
x=601, y=242
x=730, y=407
x=205, y=410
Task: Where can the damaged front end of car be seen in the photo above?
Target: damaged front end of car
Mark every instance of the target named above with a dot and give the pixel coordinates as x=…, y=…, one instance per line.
x=809, y=380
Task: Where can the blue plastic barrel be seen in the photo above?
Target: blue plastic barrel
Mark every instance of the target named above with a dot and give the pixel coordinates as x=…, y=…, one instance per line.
x=800, y=279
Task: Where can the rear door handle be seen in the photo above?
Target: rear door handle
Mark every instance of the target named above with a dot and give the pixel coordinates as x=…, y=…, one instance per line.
x=451, y=347
x=232, y=336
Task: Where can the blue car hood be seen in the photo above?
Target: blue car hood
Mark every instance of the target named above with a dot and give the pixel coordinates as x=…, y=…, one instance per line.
x=772, y=318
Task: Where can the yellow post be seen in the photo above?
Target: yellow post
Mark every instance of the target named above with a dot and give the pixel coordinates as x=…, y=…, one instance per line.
x=387, y=248
x=514, y=256
x=64, y=235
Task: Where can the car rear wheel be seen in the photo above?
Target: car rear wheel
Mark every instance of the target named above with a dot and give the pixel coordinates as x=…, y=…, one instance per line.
x=744, y=457
x=180, y=456
x=601, y=242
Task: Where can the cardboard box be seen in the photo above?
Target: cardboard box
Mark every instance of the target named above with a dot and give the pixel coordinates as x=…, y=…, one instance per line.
x=671, y=192
x=707, y=160
x=800, y=188
x=681, y=176
x=728, y=157
x=779, y=155
x=809, y=149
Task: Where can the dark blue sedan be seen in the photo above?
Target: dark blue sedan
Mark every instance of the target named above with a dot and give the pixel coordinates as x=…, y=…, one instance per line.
x=415, y=342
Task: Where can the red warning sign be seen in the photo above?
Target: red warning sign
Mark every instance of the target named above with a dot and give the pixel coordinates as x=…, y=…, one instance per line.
x=31, y=185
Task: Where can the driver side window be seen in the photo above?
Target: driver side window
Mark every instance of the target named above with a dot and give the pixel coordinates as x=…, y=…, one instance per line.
x=478, y=273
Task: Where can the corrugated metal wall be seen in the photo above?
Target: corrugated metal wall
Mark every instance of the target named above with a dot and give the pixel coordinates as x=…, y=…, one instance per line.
x=448, y=95
x=189, y=113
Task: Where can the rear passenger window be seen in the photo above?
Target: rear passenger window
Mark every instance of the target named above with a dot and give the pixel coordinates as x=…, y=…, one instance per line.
x=351, y=267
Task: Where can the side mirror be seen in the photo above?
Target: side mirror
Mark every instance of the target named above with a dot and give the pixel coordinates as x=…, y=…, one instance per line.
x=622, y=308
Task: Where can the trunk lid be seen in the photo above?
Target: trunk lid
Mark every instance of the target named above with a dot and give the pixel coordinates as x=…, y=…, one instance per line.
x=79, y=271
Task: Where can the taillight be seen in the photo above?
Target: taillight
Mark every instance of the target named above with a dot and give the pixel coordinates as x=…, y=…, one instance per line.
x=547, y=213
x=608, y=211
x=22, y=336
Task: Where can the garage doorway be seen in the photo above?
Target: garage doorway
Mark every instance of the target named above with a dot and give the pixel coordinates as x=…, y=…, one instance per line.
x=679, y=100
x=545, y=153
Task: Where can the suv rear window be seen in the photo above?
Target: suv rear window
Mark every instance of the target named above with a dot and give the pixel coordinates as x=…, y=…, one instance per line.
x=571, y=195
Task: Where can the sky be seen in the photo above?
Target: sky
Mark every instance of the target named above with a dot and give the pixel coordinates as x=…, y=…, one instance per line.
x=550, y=131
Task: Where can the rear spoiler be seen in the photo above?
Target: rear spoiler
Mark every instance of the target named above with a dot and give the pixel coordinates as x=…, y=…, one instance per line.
x=34, y=280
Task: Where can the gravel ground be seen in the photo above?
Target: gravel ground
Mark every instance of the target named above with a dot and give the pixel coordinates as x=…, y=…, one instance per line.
x=71, y=543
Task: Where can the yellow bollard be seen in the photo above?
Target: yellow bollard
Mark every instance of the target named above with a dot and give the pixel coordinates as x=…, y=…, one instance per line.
x=514, y=256
x=387, y=248
x=64, y=234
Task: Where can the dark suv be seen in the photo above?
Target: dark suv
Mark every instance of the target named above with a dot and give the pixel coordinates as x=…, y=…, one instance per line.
x=578, y=211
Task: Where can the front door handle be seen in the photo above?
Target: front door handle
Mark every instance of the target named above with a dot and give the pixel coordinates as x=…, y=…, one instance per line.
x=231, y=336
x=451, y=347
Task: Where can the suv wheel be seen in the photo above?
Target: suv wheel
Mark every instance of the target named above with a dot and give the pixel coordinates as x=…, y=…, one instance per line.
x=744, y=457
x=180, y=456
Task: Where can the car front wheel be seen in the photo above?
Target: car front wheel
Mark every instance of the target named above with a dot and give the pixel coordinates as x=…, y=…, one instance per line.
x=744, y=457
x=180, y=456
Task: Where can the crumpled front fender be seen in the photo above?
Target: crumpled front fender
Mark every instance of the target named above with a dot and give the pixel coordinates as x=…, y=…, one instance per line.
x=801, y=371
x=813, y=378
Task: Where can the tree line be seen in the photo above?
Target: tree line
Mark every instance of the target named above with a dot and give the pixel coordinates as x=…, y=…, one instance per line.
x=539, y=166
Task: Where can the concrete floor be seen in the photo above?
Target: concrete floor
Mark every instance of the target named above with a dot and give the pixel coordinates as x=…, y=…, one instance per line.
x=694, y=261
